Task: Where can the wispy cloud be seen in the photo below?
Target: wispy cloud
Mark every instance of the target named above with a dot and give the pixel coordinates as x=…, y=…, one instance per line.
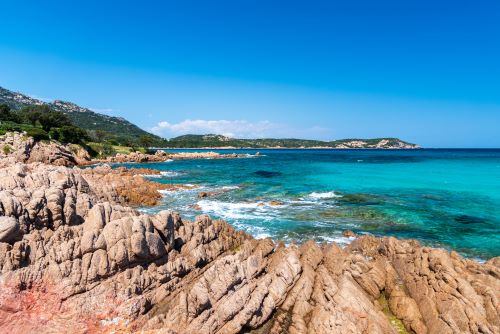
x=238, y=129
x=230, y=128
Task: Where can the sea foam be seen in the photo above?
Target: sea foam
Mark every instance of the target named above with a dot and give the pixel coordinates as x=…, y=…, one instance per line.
x=241, y=210
x=170, y=173
x=324, y=195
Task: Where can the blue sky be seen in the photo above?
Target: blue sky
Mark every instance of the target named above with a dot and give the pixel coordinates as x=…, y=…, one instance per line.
x=424, y=71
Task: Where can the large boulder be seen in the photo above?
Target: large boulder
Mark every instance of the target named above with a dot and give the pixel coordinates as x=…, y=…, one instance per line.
x=18, y=147
x=10, y=229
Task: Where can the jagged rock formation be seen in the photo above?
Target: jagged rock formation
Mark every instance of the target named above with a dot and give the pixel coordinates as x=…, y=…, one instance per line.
x=17, y=147
x=73, y=259
x=127, y=186
x=160, y=156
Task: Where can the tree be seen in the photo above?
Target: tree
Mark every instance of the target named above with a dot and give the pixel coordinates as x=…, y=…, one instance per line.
x=31, y=114
x=99, y=135
x=146, y=141
x=37, y=134
x=72, y=134
x=54, y=119
x=30, y=117
x=7, y=115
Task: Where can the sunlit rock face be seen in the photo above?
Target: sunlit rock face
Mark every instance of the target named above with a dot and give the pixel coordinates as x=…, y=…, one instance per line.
x=17, y=147
x=75, y=258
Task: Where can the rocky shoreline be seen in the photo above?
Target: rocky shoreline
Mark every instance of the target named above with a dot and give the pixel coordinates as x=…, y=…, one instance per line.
x=162, y=156
x=75, y=257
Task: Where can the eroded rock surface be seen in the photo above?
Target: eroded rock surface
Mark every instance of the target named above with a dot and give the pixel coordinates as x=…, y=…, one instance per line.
x=75, y=260
x=127, y=186
x=17, y=147
x=160, y=156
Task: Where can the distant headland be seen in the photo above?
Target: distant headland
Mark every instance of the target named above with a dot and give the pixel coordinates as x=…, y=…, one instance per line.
x=119, y=132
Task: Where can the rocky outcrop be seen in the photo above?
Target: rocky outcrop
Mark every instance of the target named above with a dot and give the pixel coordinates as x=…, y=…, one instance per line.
x=383, y=143
x=74, y=259
x=81, y=154
x=206, y=155
x=127, y=186
x=17, y=147
x=161, y=156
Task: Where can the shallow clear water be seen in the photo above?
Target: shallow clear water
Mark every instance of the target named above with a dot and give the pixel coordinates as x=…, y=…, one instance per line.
x=447, y=198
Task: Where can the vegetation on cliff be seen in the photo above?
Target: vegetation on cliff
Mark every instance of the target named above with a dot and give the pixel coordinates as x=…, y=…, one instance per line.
x=212, y=140
x=108, y=135
x=101, y=128
x=44, y=123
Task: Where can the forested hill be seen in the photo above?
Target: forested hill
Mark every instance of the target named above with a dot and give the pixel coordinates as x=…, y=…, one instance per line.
x=121, y=132
x=105, y=126
x=214, y=141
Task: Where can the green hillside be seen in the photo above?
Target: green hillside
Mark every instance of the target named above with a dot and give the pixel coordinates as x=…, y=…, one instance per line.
x=119, y=131
x=212, y=141
x=98, y=125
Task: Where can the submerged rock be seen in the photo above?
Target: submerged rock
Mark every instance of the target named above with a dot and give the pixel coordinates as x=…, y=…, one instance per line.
x=360, y=199
x=265, y=173
x=74, y=259
x=466, y=219
x=348, y=234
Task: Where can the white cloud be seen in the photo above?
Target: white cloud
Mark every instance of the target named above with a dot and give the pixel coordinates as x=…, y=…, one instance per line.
x=235, y=128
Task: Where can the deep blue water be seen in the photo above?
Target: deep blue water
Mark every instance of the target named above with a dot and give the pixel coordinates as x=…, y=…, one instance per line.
x=447, y=198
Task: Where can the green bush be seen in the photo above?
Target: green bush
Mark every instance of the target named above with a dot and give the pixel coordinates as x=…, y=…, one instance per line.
x=113, y=142
x=38, y=134
x=72, y=134
x=103, y=149
x=7, y=115
x=54, y=134
x=14, y=127
x=54, y=119
x=7, y=149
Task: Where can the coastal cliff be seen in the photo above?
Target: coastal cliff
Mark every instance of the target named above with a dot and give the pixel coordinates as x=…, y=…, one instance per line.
x=76, y=258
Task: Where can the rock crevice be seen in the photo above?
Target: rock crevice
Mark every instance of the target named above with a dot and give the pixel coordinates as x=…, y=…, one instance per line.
x=75, y=258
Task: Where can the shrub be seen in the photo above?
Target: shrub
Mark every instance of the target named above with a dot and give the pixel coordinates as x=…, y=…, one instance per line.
x=7, y=149
x=37, y=134
x=54, y=119
x=145, y=141
x=73, y=134
x=69, y=134
x=102, y=150
x=7, y=115
x=54, y=134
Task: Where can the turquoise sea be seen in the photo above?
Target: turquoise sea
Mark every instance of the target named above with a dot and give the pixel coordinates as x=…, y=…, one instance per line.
x=446, y=198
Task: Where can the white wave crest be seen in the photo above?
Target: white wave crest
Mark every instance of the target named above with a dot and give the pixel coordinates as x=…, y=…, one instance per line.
x=339, y=240
x=324, y=195
x=230, y=187
x=242, y=210
x=170, y=173
x=149, y=176
x=186, y=188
